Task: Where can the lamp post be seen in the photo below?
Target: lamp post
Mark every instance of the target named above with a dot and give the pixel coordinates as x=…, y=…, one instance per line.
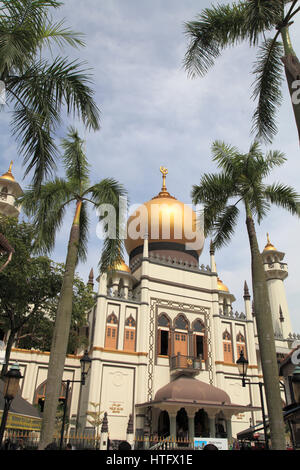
x=242, y=364
x=11, y=387
x=85, y=364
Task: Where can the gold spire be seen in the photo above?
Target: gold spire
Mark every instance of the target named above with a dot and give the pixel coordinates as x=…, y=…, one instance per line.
x=8, y=175
x=164, y=192
x=164, y=172
x=269, y=246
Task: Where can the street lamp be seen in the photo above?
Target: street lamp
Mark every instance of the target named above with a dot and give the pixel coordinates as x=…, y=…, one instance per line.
x=85, y=364
x=242, y=364
x=11, y=387
x=296, y=384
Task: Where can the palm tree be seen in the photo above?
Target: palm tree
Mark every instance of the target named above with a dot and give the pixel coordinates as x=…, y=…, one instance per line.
x=36, y=90
x=47, y=210
x=241, y=180
x=261, y=23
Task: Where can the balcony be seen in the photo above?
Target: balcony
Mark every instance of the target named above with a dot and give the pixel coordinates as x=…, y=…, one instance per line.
x=188, y=365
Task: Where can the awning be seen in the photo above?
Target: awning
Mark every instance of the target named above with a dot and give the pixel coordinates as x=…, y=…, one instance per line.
x=233, y=408
x=247, y=434
x=22, y=415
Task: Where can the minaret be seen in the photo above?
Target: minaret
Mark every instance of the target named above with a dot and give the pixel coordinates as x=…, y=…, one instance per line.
x=276, y=272
x=91, y=279
x=9, y=191
x=213, y=265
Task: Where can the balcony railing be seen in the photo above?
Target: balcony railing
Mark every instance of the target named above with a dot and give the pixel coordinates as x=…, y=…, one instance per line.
x=190, y=364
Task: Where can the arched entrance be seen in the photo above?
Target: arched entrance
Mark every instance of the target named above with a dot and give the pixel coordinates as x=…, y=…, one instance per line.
x=201, y=424
x=163, y=424
x=182, y=425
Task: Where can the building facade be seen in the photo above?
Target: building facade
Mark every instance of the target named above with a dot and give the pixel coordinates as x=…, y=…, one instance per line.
x=164, y=337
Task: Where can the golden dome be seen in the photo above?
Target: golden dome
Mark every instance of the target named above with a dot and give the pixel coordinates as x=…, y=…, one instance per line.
x=163, y=219
x=8, y=175
x=122, y=266
x=269, y=246
x=221, y=286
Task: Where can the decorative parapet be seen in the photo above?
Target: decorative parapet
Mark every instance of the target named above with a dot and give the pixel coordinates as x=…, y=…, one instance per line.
x=172, y=261
x=230, y=314
x=130, y=297
x=293, y=337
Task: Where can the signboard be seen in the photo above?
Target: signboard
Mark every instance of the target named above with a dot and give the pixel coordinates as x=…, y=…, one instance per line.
x=200, y=442
x=15, y=421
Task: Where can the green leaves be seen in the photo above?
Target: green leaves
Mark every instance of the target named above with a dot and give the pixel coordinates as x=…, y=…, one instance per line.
x=227, y=25
x=48, y=207
x=39, y=91
x=267, y=89
x=75, y=161
x=110, y=192
x=212, y=31
x=241, y=180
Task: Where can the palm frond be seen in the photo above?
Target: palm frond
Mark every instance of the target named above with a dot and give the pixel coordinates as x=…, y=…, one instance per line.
x=256, y=199
x=267, y=89
x=83, y=232
x=225, y=225
x=60, y=83
x=35, y=143
x=212, y=31
x=75, y=161
x=283, y=196
x=273, y=159
x=217, y=188
x=261, y=16
x=108, y=194
x=225, y=155
x=60, y=35
x=47, y=209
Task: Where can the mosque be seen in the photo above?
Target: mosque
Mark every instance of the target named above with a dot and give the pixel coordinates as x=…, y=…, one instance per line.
x=163, y=335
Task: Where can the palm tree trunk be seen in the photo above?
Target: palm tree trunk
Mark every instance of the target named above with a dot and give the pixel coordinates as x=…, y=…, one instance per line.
x=292, y=72
x=266, y=341
x=9, y=345
x=60, y=337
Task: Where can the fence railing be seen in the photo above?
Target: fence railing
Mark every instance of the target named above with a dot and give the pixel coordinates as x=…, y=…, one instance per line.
x=24, y=440
x=18, y=440
x=162, y=443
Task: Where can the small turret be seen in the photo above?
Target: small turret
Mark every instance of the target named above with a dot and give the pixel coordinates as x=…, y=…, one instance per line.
x=10, y=190
x=276, y=272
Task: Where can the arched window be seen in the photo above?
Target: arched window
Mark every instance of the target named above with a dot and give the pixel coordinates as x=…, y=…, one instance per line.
x=241, y=345
x=227, y=347
x=111, y=336
x=181, y=323
x=129, y=334
x=163, y=335
x=199, y=339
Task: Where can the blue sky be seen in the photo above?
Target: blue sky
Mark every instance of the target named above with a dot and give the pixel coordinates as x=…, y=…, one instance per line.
x=152, y=114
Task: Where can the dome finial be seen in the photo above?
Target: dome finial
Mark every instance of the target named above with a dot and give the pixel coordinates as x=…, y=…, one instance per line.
x=8, y=175
x=269, y=246
x=164, y=172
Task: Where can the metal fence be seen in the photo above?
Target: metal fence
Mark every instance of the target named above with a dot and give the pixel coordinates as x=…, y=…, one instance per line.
x=22, y=440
